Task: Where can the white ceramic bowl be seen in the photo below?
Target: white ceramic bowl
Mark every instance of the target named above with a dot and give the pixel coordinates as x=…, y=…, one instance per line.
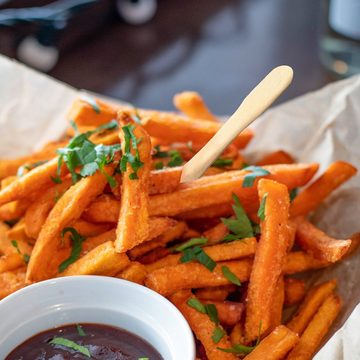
x=95, y=299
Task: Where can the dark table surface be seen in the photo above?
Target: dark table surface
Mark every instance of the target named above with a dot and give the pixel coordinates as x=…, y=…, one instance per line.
x=220, y=48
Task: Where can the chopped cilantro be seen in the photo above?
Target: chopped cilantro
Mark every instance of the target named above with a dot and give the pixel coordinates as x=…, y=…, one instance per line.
x=159, y=165
x=198, y=254
x=158, y=153
x=175, y=158
x=21, y=169
x=192, y=242
x=218, y=334
x=238, y=349
x=197, y=305
x=293, y=194
x=256, y=171
x=261, y=211
x=26, y=257
x=221, y=163
x=77, y=240
x=92, y=102
x=209, y=309
x=230, y=275
x=80, y=330
x=70, y=345
x=240, y=227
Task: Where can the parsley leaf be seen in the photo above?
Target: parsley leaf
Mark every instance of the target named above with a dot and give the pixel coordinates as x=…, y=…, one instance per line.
x=209, y=309
x=218, y=334
x=128, y=158
x=240, y=227
x=221, y=163
x=26, y=257
x=70, y=345
x=197, y=305
x=261, y=211
x=77, y=240
x=238, y=349
x=158, y=153
x=175, y=158
x=80, y=330
x=256, y=171
x=92, y=102
x=198, y=254
x=230, y=275
x=192, y=242
x=159, y=165
x=293, y=194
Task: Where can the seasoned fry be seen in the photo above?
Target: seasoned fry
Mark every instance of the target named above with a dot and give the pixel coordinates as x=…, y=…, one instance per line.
x=309, y=199
x=219, y=293
x=153, y=255
x=168, y=280
x=17, y=232
x=133, y=225
x=310, y=306
x=105, y=208
x=276, y=157
x=88, y=229
x=277, y=304
x=135, y=272
x=11, y=262
x=216, y=234
x=94, y=241
x=193, y=105
x=207, y=212
x=39, y=210
x=317, y=243
x=43, y=263
x=316, y=330
x=174, y=232
x=275, y=346
x=229, y=312
x=294, y=291
x=176, y=128
x=269, y=257
x=11, y=281
x=103, y=260
x=237, y=335
x=164, y=181
x=91, y=113
x=216, y=189
x=299, y=261
x=221, y=252
x=203, y=328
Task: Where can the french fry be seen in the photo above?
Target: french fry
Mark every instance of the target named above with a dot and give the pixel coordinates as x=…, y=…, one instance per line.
x=217, y=189
x=309, y=199
x=88, y=229
x=269, y=257
x=207, y=212
x=219, y=293
x=176, y=128
x=39, y=210
x=355, y=244
x=103, y=260
x=105, y=208
x=277, y=304
x=165, y=180
x=153, y=255
x=203, y=328
x=43, y=263
x=135, y=272
x=229, y=312
x=300, y=261
x=318, y=327
x=91, y=113
x=17, y=232
x=317, y=243
x=193, y=105
x=275, y=346
x=133, y=224
x=172, y=233
x=36, y=179
x=14, y=210
x=221, y=252
x=11, y=262
x=294, y=291
x=170, y=279
x=11, y=281
x=94, y=241
x=8, y=247
x=313, y=300
x=237, y=335
x=276, y=157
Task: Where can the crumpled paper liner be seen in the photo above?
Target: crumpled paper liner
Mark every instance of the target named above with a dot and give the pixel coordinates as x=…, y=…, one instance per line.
x=322, y=127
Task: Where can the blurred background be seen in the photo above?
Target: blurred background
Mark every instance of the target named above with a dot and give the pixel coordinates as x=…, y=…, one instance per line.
x=144, y=51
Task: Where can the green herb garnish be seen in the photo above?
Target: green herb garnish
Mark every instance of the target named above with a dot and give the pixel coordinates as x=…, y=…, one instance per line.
x=159, y=154
x=80, y=330
x=221, y=163
x=136, y=117
x=240, y=227
x=91, y=101
x=256, y=171
x=159, y=165
x=190, y=243
x=21, y=169
x=175, y=158
x=198, y=254
x=230, y=275
x=218, y=334
x=209, y=309
x=26, y=257
x=83, y=154
x=77, y=240
x=70, y=345
x=128, y=158
x=197, y=305
x=261, y=211
x=293, y=194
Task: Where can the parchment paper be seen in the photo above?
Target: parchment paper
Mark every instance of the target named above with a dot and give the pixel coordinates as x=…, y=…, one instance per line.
x=322, y=126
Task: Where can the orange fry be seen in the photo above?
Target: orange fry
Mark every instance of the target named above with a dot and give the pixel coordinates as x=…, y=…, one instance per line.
x=193, y=105
x=278, y=303
x=294, y=291
x=317, y=243
x=315, y=297
x=269, y=257
x=11, y=262
x=299, y=261
x=276, y=157
x=207, y=212
x=11, y=281
x=135, y=272
x=43, y=263
x=309, y=199
x=229, y=312
x=94, y=241
x=133, y=225
x=275, y=346
x=219, y=293
x=318, y=327
x=203, y=328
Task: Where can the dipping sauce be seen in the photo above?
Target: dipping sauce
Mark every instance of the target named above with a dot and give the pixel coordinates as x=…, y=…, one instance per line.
x=84, y=342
